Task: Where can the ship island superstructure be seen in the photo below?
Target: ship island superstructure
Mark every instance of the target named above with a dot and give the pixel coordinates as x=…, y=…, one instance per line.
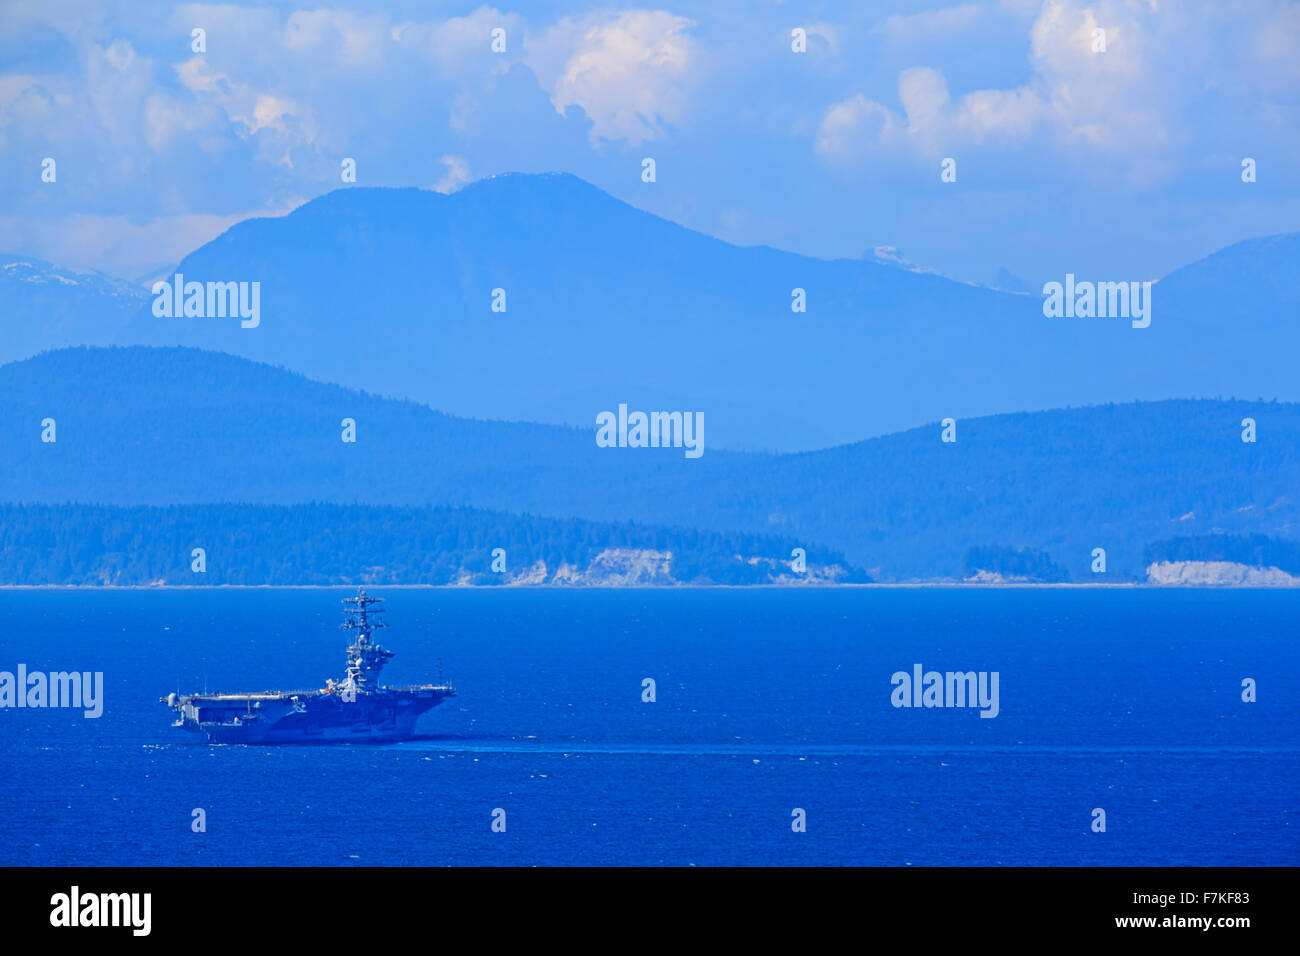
x=357, y=708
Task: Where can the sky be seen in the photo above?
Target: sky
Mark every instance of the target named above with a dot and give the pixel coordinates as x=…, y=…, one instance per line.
x=1068, y=158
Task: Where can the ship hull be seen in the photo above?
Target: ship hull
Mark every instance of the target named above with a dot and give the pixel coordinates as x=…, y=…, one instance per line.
x=357, y=709
x=312, y=717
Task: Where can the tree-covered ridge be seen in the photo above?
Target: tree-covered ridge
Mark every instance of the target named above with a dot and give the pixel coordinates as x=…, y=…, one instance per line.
x=142, y=426
x=352, y=544
x=1017, y=564
x=1254, y=550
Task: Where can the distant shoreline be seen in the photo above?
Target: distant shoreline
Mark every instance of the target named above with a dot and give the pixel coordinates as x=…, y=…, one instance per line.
x=901, y=585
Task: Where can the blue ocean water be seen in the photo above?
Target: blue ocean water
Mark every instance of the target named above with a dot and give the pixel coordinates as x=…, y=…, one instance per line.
x=767, y=700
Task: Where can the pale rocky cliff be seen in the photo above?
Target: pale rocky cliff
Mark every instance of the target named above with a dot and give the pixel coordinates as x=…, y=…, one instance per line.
x=1218, y=573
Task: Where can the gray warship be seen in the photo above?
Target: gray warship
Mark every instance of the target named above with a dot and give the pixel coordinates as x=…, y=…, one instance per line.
x=356, y=709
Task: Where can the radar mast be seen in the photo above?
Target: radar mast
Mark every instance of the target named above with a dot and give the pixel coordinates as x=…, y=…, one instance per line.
x=365, y=658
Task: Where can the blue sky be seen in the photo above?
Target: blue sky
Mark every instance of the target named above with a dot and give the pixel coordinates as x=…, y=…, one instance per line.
x=1123, y=162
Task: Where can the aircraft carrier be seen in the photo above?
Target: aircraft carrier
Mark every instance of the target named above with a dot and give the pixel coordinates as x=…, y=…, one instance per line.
x=356, y=709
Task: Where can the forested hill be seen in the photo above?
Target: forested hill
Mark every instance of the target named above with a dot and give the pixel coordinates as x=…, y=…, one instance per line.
x=324, y=544
x=144, y=426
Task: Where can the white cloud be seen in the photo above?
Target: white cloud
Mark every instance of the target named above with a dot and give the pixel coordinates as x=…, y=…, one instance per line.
x=1277, y=42
x=457, y=174
x=910, y=28
x=141, y=125
x=629, y=72
x=822, y=38
x=166, y=118
x=1114, y=100
x=198, y=77
x=354, y=41
x=118, y=245
x=1008, y=115
x=460, y=49
x=923, y=92
x=854, y=126
x=254, y=110
x=118, y=82
x=272, y=112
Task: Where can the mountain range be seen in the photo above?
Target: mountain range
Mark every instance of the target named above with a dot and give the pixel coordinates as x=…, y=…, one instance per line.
x=469, y=343
x=170, y=426
x=392, y=291
x=44, y=306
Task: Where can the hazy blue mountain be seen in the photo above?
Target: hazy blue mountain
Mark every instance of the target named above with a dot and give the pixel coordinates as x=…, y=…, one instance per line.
x=43, y=306
x=149, y=426
x=390, y=290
